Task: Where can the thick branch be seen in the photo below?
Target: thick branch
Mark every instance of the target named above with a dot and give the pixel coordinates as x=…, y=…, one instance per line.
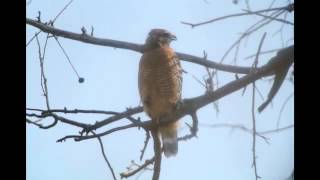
x=193, y=104
x=157, y=154
x=132, y=46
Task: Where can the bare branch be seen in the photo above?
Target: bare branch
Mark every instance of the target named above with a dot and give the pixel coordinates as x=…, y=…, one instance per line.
x=145, y=145
x=51, y=22
x=129, y=112
x=280, y=71
x=273, y=18
x=64, y=8
x=189, y=105
x=253, y=111
x=255, y=27
x=75, y=111
x=287, y=8
x=58, y=118
x=193, y=128
x=43, y=77
x=134, y=47
x=105, y=156
x=81, y=138
x=282, y=108
x=264, y=52
x=277, y=130
x=157, y=154
x=141, y=167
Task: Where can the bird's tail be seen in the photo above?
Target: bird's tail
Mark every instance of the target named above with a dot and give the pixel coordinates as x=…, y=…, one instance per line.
x=169, y=139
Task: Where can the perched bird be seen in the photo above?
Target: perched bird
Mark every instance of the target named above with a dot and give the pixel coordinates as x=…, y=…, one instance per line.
x=160, y=84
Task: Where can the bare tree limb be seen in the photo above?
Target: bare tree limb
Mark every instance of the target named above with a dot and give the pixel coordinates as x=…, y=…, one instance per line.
x=254, y=164
x=75, y=111
x=157, y=154
x=193, y=104
x=280, y=71
x=132, y=46
x=58, y=118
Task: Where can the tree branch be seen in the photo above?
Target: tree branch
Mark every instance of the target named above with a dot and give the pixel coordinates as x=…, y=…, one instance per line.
x=157, y=154
x=193, y=104
x=289, y=8
x=132, y=46
x=141, y=167
x=105, y=157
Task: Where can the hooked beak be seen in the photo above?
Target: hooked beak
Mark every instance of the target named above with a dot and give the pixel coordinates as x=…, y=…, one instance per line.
x=173, y=37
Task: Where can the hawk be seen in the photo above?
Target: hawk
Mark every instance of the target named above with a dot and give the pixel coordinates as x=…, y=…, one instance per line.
x=160, y=82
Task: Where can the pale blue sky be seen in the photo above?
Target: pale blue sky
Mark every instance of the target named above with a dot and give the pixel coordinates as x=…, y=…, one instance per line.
x=111, y=84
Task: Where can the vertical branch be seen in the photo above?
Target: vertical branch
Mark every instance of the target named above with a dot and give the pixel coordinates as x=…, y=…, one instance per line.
x=254, y=163
x=145, y=145
x=157, y=152
x=282, y=108
x=43, y=77
x=255, y=63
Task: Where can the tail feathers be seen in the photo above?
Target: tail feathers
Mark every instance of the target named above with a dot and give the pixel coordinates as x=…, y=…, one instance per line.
x=170, y=142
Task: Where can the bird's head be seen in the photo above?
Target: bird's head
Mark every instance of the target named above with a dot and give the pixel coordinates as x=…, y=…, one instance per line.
x=159, y=38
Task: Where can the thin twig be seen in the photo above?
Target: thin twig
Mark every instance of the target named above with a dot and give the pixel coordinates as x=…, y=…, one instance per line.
x=277, y=130
x=58, y=118
x=33, y=38
x=245, y=129
x=249, y=31
x=282, y=108
x=145, y=145
x=237, y=15
x=254, y=164
x=193, y=128
x=66, y=55
x=105, y=156
x=43, y=77
x=264, y=52
x=273, y=18
x=64, y=8
x=141, y=167
x=81, y=138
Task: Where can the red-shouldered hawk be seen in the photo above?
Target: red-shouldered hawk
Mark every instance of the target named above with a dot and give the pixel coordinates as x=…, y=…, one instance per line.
x=160, y=82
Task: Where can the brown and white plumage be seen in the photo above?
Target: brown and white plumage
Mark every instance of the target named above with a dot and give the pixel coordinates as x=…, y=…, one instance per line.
x=160, y=84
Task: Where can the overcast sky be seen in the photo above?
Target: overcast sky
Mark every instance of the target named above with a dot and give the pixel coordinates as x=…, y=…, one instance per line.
x=111, y=84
